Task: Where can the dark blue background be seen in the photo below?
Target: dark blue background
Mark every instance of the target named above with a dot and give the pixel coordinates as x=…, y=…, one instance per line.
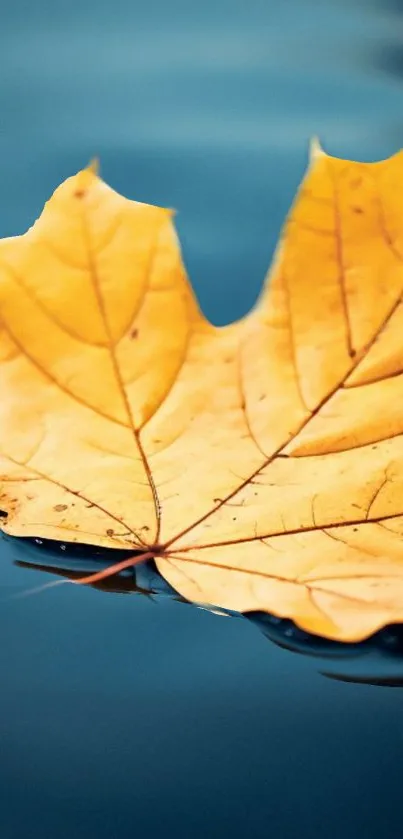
x=120, y=717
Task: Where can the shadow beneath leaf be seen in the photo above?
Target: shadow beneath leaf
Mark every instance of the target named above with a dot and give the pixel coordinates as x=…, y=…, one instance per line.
x=376, y=661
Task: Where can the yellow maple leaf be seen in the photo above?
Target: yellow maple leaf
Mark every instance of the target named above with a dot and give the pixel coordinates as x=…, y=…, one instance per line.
x=261, y=464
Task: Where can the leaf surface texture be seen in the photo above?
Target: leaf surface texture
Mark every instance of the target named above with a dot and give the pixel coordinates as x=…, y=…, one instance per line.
x=260, y=463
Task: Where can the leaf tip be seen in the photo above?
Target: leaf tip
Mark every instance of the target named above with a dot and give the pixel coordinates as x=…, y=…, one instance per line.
x=82, y=182
x=315, y=149
x=94, y=166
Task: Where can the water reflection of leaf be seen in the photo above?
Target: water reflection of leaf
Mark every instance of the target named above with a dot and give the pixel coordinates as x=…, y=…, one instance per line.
x=378, y=660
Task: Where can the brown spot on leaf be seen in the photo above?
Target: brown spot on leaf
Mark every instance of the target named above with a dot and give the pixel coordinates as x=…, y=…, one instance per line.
x=110, y=531
x=79, y=193
x=134, y=333
x=60, y=507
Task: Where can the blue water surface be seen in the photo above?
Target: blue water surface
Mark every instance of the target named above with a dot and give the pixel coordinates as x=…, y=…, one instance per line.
x=121, y=716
